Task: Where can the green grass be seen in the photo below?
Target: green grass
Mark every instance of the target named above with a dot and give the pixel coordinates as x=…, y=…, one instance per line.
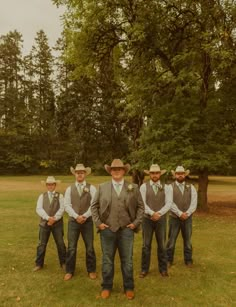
x=211, y=282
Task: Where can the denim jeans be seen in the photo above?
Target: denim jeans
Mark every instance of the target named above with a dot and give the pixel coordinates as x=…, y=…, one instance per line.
x=175, y=225
x=44, y=234
x=159, y=228
x=123, y=241
x=87, y=232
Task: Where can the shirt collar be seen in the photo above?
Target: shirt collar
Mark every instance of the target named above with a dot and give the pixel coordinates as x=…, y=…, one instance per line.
x=83, y=184
x=120, y=182
x=178, y=183
x=157, y=183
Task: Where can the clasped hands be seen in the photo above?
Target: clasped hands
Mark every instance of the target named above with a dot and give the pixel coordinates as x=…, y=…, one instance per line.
x=104, y=226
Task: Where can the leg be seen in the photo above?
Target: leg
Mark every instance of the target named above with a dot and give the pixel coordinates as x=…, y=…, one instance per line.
x=58, y=234
x=147, y=233
x=186, y=231
x=109, y=245
x=73, y=237
x=174, y=228
x=44, y=234
x=160, y=233
x=125, y=247
x=88, y=237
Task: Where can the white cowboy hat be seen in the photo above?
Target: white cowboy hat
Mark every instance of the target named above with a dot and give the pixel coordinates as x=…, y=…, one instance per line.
x=180, y=169
x=50, y=180
x=117, y=163
x=155, y=168
x=80, y=167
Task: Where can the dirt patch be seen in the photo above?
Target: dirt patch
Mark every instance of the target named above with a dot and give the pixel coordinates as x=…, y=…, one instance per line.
x=222, y=208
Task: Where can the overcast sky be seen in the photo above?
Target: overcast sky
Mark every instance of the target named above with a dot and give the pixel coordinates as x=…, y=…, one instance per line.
x=28, y=17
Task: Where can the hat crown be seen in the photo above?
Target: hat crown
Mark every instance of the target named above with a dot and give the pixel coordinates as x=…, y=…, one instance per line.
x=154, y=168
x=117, y=163
x=80, y=167
x=180, y=169
x=50, y=179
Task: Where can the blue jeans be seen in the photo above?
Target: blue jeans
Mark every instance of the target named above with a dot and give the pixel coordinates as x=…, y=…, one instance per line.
x=74, y=231
x=123, y=241
x=175, y=225
x=159, y=228
x=44, y=234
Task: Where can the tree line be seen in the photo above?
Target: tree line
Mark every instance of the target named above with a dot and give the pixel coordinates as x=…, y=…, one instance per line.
x=145, y=81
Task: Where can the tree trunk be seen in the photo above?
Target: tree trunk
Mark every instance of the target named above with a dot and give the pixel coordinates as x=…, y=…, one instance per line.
x=137, y=177
x=202, y=190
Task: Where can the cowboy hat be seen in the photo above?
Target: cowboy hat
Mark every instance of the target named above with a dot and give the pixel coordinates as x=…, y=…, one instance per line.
x=80, y=167
x=155, y=168
x=117, y=163
x=180, y=169
x=50, y=180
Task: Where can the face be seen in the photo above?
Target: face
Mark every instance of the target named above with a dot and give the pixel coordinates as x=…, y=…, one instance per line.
x=80, y=176
x=180, y=177
x=155, y=176
x=51, y=186
x=117, y=173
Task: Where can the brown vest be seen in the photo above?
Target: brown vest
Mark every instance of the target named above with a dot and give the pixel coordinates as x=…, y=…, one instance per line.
x=155, y=201
x=182, y=201
x=50, y=209
x=119, y=214
x=80, y=204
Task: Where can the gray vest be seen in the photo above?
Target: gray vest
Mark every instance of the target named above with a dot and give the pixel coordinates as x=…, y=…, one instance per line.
x=155, y=202
x=80, y=204
x=182, y=201
x=119, y=214
x=50, y=209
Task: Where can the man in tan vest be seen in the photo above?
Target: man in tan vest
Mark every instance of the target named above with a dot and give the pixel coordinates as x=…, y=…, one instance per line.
x=50, y=208
x=78, y=198
x=157, y=201
x=183, y=206
x=117, y=212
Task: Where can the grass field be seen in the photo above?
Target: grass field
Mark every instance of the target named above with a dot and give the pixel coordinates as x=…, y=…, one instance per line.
x=211, y=282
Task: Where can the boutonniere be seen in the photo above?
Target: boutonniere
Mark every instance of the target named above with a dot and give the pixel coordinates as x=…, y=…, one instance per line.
x=130, y=188
x=86, y=190
x=160, y=187
x=56, y=195
x=187, y=186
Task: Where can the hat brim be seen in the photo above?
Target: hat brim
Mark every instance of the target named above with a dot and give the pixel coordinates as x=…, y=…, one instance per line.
x=56, y=182
x=87, y=170
x=187, y=172
x=126, y=168
x=163, y=171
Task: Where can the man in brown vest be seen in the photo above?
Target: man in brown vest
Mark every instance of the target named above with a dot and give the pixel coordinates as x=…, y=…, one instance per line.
x=183, y=206
x=156, y=198
x=78, y=199
x=117, y=212
x=50, y=208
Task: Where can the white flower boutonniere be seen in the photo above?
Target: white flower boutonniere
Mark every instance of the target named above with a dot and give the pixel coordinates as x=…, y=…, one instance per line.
x=130, y=187
x=86, y=190
x=56, y=195
x=160, y=187
x=187, y=186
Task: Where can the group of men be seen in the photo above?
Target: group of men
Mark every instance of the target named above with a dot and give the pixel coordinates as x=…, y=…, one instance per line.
x=118, y=209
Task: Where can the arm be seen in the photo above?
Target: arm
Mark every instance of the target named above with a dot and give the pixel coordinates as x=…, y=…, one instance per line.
x=61, y=210
x=93, y=191
x=193, y=205
x=139, y=212
x=68, y=205
x=95, y=208
x=148, y=210
x=168, y=200
x=174, y=208
x=39, y=209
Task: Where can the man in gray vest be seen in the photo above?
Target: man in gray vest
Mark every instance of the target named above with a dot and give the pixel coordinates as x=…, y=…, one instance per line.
x=117, y=212
x=78, y=198
x=183, y=206
x=50, y=208
x=156, y=198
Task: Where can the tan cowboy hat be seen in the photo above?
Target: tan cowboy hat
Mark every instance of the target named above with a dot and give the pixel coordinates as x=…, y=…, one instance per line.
x=117, y=163
x=155, y=168
x=50, y=179
x=180, y=169
x=80, y=167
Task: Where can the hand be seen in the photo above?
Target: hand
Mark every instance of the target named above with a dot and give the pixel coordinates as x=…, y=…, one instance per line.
x=103, y=226
x=131, y=226
x=156, y=216
x=184, y=216
x=51, y=220
x=81, y=219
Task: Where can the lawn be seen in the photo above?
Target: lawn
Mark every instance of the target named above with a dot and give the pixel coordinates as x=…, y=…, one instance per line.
x=211, y=281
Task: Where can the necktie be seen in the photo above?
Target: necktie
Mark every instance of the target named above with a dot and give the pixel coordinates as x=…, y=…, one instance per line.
x=80, y=189
x=155, y=188
x=117, y=188
x=50, y=197
x=181, y=187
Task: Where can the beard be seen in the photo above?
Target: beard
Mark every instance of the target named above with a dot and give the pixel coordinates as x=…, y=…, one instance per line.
x=180, y=179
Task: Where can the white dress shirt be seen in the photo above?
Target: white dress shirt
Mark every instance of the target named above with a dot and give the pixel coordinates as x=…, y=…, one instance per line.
x=193, y=204
x=168, y=199
x=43, y=214
x=68, y=206
x=120, y=183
